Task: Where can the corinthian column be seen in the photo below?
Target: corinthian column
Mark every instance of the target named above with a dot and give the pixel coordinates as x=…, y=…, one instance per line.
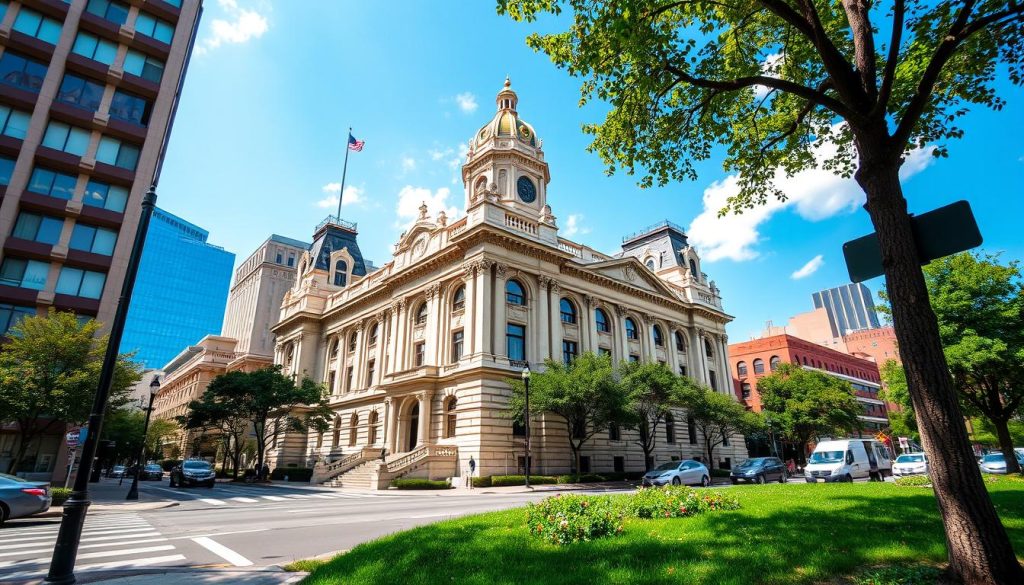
x=543, y=324
x=481, y=314
x=556, y=321
x=500, y=308
x=423, y=433
x=433, y=326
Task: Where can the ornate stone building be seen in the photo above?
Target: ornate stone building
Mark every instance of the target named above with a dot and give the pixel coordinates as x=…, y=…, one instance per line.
x=417, y=353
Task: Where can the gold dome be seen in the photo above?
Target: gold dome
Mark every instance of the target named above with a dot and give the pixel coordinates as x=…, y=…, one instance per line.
x=506, y=122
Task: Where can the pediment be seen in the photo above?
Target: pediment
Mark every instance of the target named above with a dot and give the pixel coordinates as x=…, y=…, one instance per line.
x=413, y=235
x=630, y=271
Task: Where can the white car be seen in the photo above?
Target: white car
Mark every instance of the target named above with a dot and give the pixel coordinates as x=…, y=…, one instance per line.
x=996, y=463
x=685, y=472
x=910, y=464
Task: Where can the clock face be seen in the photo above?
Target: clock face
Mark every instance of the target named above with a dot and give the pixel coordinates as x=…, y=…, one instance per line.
x=527, y=190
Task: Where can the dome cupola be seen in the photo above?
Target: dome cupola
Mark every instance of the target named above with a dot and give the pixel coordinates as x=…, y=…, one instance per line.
x=506, y=122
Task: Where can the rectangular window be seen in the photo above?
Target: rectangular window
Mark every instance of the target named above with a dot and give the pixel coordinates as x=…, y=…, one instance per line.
x=585, y=464
x=371, y=371
x=6, y=168
x=619, y=464
x=14, y=123
x=633, y=357
x=457, y=341
x=93, y=239
x=291, y=259
x=69, y=139
x=81, y=92
x=24, y=273
x=713, y=381
x=36, y=25
x=144, y=66
x=38, y=228
x=52, y=183
x=111, y=197
x=154, y=27
x=614, y=432
x=95, y=48
x=130, y=108
x=114, y=152
x=80, y=283
x=515, y=341
x=348, y=378
x=280, y=258
x=115, y=12
x=21, y=71
x=604, y=351
x=421, y=348
x=682, y=370
x=691, y=430
x=568, y=351
x=11, y=315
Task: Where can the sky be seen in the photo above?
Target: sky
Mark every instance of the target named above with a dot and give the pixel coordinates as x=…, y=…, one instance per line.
x=259, y=142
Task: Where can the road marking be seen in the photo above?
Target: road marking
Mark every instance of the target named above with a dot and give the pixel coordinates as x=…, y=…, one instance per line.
x=85, y=534
x=220, y=533
x=244, y=500
x=274, y=498
x=108, y=565
x=81, y=546
x=222, y=551
x=213, y=501
x=323, y=496
x=56, y=526
x=109, y=553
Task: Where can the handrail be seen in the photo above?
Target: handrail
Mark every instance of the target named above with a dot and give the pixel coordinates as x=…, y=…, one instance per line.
x=418, y=454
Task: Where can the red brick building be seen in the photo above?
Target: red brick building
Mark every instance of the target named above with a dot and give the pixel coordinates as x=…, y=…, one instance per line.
x=878, y=344
x=750, y=360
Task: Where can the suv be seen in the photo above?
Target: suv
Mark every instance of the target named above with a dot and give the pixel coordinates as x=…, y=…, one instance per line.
x=193, y=472
x=759, y=470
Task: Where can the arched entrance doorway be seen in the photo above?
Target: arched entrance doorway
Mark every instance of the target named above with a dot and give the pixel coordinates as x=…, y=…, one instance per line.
x=414, y=425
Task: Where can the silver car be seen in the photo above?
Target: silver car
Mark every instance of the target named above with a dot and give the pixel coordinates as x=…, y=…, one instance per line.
x=910, y=464
x=19, y=497
x=685, y=472
x=996, y=463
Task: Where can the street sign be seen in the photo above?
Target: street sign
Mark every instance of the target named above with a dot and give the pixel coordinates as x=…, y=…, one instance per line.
x=72, y=439
x=940, y=232
x=904, y=443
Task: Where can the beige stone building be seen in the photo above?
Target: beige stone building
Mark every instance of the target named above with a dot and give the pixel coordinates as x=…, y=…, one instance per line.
x=417, y=353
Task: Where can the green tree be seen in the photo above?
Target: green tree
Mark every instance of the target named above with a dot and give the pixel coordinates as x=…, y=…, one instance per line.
x=159, y=429
x=49, y=373
x=781, y=84
x=718, y=417
x=902, y=422
x=223, y=408
x=583, y=393
x=985, y=431
x=652, y=390
x=807, y=405
x=123, y=426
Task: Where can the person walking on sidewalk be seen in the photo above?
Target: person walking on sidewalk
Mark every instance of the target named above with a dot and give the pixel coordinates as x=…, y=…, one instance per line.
x=472, y=469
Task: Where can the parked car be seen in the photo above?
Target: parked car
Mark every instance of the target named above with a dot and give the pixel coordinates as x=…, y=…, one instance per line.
x=19, y=497
x=117, y=471
x=910, y=464
x=193, y=472
x=152, y=471
x=685, y=472
x=996, y=463
x=847, y=460
x=759, y=470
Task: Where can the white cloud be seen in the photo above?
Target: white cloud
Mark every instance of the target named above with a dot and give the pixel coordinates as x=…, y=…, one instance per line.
x=438, y=154
x=816, y=194
x=808, y=269
x=573, y=225
x=408, y=164
x=466, y=102
x=353, y=195
x=410, y=198
x=770, y=67
x=240, y=26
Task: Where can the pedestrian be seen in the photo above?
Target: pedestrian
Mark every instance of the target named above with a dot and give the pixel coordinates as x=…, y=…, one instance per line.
x=472, y=470
x=265, y=472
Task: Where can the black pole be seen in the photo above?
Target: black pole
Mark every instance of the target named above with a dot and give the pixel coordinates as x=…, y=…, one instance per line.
x=526, y=384
x=65, y=551
x=344, y=171
x=133, y=492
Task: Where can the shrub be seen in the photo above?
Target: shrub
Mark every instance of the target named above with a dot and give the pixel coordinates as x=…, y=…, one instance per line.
x=568, y=518
x=1010, y=477
x=914, y=481
x=676, y=502
x=482, y=481
x=169, y=464
x=302, y=474
x=60, y=495
x=503, y=480
x=584, y=478
x=420, y=484
x=899, y=575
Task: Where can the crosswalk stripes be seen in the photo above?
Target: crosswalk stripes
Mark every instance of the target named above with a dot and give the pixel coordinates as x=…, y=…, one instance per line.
x=112, y=540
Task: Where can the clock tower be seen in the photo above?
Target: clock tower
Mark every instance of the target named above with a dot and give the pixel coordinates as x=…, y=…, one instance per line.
x=505, y=164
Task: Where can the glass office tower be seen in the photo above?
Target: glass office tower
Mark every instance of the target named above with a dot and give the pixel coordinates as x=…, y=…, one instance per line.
x=181, y=291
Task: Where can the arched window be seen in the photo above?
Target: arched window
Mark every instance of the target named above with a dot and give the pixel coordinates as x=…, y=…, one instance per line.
x=670, y=428
x=650, y=264
x=680, y=342
x=334, y=347
x=372, y=427
x=352, y=342
x=601, y=321
x=759, y=366
x=421, y=314
x=459, y=300
x=450, y=417
x=631, y=332
x=805, y=360
x=373, y=334
x=773, y=363
x=568, y=311
x=741, y=369
x=514, y=293
x=693, y=269
x=340, y=273
x=746, y=390
x=659, y=339
x=336, y=438
x=353, y=430
x=707, y=349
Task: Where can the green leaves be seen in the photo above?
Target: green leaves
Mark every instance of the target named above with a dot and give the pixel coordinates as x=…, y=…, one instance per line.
x=805, y=404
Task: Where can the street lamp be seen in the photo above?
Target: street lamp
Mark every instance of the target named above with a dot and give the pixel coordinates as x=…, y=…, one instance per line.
x=133, y=492
x=526, y=386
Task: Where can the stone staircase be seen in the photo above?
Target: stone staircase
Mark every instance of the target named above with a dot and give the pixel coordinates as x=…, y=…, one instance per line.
x=359, y=471
x=363, y=477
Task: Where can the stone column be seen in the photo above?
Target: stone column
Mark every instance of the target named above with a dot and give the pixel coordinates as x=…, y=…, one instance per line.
x=670, y=347
x=697, y=356
x=359, y=373
x=430, y=332
x=620, y=330
x=472, y=308
x=423, y=433
x=392, y=439
x=702, y=355
x=381, y=319
x=723, y=359
x=555, y=318
x=392, y=339
x=543, y=321
x=481, y=315
x=500, y=312
x=585, y=324
x=647, y=339
x=402, y=337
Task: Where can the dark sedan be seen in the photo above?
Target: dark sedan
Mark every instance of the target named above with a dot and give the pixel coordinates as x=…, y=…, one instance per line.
x=19, y=497
x=152, y=471
x=193, y=472
x=759, y=470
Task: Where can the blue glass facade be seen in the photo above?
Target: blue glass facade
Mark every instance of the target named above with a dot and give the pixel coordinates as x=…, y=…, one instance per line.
x=180, y=292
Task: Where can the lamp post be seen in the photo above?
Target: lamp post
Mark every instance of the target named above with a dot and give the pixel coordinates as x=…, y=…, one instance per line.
x=526, y=386
x=133, y=492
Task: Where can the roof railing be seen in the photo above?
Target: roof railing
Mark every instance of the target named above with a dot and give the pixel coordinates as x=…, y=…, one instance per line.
x=335, y=220
x=654, y=227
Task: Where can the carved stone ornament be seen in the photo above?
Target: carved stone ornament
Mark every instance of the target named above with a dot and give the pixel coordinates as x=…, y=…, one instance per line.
x=433, y=290
x=544, y=281
x=553, y=285
x=468, y=270
x=500, y=270
x=423, y=210
x=420, y=245
x=629, y=272
x=442, y=218
x=620, y=310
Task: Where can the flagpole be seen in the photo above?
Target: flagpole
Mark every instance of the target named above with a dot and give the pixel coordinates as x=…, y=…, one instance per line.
x=344, y=171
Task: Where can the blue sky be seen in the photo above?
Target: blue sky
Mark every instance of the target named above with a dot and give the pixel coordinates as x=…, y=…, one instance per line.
x=261, y=129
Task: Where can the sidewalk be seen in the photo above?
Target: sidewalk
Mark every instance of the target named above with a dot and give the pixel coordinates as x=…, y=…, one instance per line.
x=108, y=496
x=171, y=575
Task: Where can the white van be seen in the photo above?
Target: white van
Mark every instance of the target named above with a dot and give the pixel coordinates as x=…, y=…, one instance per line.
x=847, y=460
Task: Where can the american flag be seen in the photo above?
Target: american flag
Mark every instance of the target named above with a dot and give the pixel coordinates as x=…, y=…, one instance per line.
x=353, y=144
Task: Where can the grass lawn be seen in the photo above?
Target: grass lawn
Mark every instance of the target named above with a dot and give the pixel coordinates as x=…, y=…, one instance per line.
x=795, y=533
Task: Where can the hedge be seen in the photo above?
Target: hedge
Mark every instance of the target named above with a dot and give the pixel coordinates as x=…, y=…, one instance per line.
x=504, y=480
x=623, y=475
x=584, y=478
x=300, y=474
x=420, y=484
x=60, y=495
x=482, y=482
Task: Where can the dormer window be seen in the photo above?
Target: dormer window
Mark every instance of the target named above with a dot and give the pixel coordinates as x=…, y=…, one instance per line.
x=340, y=273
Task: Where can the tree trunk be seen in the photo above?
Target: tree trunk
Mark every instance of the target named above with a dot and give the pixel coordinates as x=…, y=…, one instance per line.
x=1006, y=445
x=979, y=549
x=709, y=450
x=25, y=438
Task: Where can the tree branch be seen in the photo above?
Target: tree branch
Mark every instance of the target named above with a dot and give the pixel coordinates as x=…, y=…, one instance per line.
x=889, y=72
x=863, y=45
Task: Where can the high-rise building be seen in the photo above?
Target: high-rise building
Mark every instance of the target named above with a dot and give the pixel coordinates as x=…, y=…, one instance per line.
x=849, y=308
x=180, y=292
x=88, y=90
